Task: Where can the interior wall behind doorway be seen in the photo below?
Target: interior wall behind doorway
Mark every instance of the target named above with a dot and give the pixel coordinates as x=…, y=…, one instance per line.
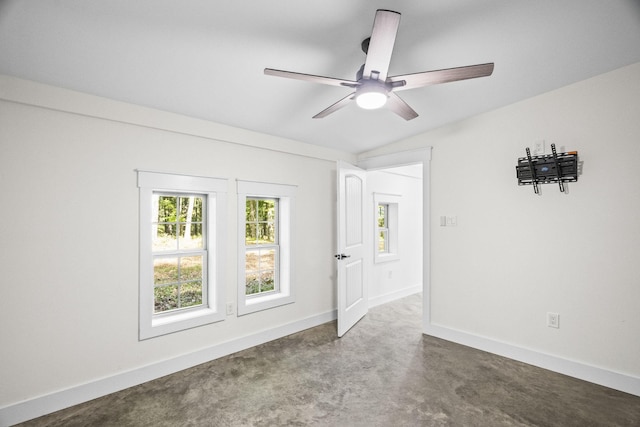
x=403, y=276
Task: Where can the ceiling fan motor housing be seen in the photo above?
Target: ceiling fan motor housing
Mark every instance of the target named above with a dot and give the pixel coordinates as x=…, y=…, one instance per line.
x=371, y=94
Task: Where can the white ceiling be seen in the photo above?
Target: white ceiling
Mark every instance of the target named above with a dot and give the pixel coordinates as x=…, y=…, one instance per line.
x=205, y=59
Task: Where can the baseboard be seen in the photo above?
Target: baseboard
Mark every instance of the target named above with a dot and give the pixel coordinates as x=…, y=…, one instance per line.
x=392, y=296
x=56, y=401
x=615, y=380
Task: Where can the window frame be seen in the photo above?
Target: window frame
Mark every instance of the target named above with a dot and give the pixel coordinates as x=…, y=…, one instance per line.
x=179, y=253
x=214, y=193
x=392, y=203
x=275, y=246
x=285, y=196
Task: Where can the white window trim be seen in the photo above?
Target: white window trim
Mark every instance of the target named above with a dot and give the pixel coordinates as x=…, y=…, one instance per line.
x=286, y=202
x=215, y=191
x=393, y=202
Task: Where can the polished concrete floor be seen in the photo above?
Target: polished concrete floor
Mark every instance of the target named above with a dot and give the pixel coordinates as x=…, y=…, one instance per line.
x=384, y=372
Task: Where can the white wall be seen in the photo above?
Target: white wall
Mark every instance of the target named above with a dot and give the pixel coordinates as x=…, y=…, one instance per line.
x=69, y=227
x=515, y=256
x=395, y=279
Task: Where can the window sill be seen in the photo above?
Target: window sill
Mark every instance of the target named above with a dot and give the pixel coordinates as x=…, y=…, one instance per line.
x=252, y=305
x=168, y=324
x=386, y=258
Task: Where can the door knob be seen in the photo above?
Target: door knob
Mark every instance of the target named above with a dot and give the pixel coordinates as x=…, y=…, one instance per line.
x=342, y=256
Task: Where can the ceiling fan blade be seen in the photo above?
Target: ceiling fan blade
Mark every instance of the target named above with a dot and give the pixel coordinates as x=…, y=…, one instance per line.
x=440, y=76
x=310, y=78
x=383, y=37
x=335, y=107
x=401, y=108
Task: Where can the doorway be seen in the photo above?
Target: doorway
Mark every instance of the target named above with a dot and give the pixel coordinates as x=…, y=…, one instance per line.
x=413, y=164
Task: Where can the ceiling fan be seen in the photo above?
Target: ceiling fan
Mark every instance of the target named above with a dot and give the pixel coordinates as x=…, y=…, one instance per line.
x=373, y=88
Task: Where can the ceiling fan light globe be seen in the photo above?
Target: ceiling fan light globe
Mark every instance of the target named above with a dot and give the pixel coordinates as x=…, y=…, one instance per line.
x=371, y=100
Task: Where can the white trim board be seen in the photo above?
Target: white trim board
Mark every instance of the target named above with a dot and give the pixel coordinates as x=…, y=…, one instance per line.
x=46, y=404
x=395, y=295
x=615, y=380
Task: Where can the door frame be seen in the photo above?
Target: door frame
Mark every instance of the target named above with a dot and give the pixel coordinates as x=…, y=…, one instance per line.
x=406, y=158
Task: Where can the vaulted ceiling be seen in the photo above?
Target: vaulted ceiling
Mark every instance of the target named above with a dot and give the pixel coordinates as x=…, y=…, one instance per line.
x=205, y=59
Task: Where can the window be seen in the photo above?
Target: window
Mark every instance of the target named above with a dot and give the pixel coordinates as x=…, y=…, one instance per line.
x=264, y=245
x=178, y=249
x=261, y=246
x=383, y=228
x=386, y=227
x=181, y=252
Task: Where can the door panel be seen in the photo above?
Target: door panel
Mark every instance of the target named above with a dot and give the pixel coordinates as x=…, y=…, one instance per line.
x=355, y=291
x=352, y=242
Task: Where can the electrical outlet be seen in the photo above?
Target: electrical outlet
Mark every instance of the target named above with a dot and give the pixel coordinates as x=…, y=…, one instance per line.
x=229, y=308
x=553, y=320
x=538, y=147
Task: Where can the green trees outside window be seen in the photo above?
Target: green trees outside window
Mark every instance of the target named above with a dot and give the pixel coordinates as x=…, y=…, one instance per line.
x=178, y=245
x=261, y=242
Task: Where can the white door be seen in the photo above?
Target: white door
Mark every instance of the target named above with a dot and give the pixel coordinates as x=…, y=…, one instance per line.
x=352, y=239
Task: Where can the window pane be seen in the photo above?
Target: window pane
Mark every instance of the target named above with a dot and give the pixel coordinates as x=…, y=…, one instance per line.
x=252, y=284
x=267, y=259
x=164, y=237
x=167, y=208
x=191, y=294
x=251, y=234
x=251, y=210
x=267, y=232
x=191, y=236
x=251, y=260
x=197, y=213
x=382, y=241
x=267, y=281
x=260, y=270
x=165, y=298
x=382, y=215
x=190, y=268
x=165, y=270
x=190, y=208
x=183, y=207
x=266, y=210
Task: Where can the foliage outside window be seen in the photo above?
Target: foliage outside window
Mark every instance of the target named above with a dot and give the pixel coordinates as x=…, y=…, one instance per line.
x=261, y=241
x=179, y=252
x=265, y=213
x=182, y=220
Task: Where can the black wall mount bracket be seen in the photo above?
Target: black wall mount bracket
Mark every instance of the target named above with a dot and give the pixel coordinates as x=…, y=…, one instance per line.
x=547, y=169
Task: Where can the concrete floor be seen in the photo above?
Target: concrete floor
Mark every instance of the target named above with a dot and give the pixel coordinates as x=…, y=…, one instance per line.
x=384, y=372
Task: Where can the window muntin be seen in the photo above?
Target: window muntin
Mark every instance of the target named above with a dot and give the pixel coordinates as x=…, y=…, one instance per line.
x=182, y=252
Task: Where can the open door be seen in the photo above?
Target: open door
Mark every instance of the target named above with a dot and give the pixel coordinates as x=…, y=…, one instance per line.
x=352, y=238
